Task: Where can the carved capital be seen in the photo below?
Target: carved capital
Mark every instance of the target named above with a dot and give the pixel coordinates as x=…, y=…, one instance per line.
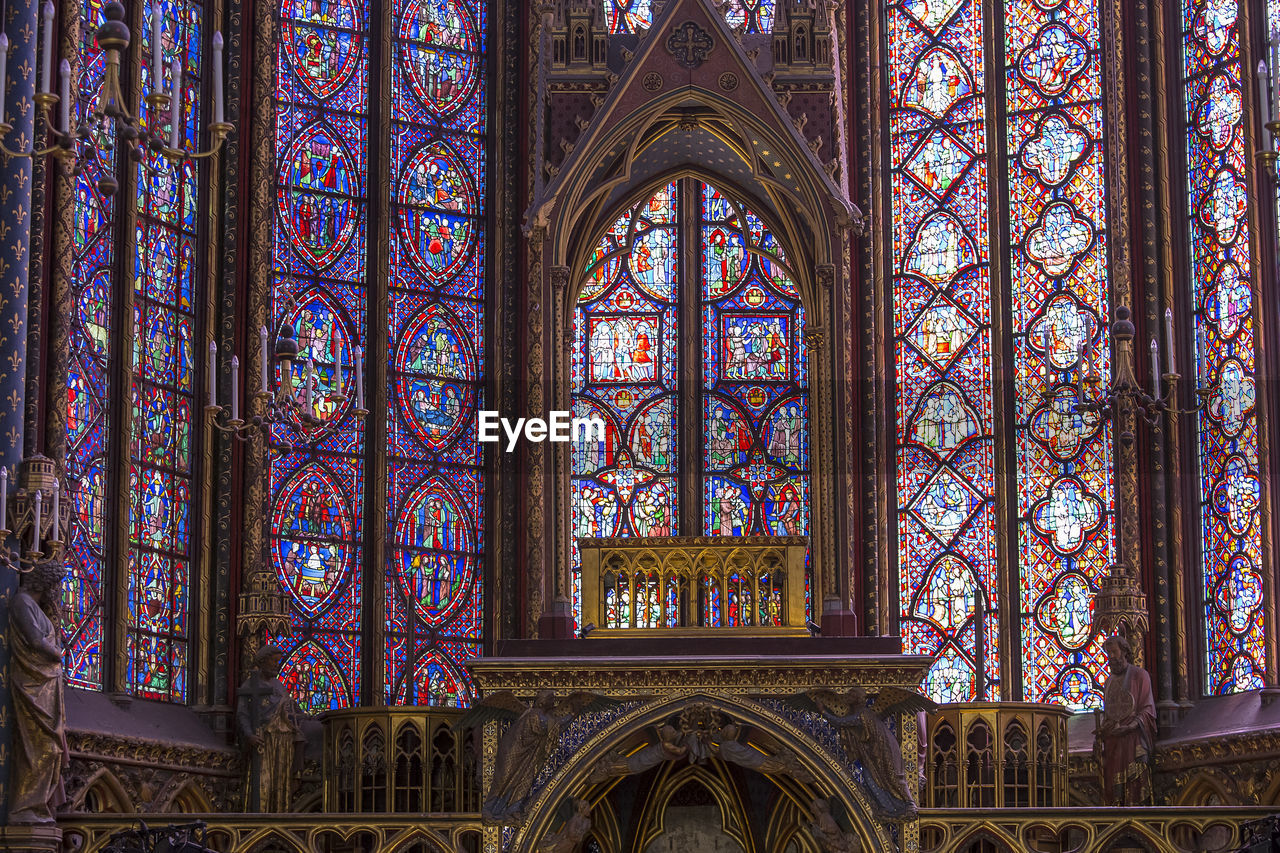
x=826, y=274
x=560, y=280
x=814, y=338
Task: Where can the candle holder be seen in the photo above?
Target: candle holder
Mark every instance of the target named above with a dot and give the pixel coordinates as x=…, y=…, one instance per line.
x=1091, y=396
x=110, y=122
x=36, y=518
x=280, y=405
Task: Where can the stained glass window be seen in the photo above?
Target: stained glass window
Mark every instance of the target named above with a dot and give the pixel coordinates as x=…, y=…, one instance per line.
x=632, y=16
x=945, y=484
x=1222, y=295
x=158, y=372
x=752, y=460
x=431, y=306
x=1050, y=158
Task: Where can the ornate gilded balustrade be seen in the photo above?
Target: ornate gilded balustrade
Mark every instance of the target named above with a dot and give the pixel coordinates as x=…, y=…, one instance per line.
x=1159, y=829
x=295, y=833
x=997, y=755
x=751, y=585
x=404, y=760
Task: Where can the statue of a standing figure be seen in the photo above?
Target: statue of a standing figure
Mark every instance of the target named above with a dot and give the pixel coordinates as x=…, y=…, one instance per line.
x=40, y=752
x=1127, y=727
x=268, y=721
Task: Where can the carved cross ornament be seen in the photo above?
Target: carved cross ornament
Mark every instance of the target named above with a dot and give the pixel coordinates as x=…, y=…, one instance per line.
x=689, y=44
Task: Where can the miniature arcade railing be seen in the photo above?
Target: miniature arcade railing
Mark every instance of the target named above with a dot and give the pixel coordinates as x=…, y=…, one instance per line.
x=753, y=585
x=400, y=760
x=997, y=755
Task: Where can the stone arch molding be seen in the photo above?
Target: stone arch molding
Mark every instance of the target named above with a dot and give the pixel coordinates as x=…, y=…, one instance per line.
x=832, y=775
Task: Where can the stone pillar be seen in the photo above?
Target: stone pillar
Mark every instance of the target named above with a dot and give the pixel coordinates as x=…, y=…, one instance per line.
x=15, y=238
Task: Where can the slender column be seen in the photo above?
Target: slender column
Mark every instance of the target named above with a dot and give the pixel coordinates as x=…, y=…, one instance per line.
x=15, y=235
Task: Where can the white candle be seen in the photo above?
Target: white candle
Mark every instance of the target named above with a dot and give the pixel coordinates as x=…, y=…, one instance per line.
x=46, y=48
x=175, y=116
x=217, y=78
x=310, y=372
x=64, y=69
x=1264, y=98
x=1168, y=341
x=212, y=368
x=1046, y=342
x=4, y=62
x=359, y=371
x=235, y=388
x=1155, y=367
x=55, y=535
x=262, y=356
x=157, y=51
x=1274, y=46
x=337, y=371
x=4, y=498
x=35, y=527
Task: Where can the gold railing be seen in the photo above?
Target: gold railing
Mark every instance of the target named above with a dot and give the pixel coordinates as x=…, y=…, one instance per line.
x=294, y=833
x=1159, y=829
x=997, y=755
x=751, y=585
x=403, y=760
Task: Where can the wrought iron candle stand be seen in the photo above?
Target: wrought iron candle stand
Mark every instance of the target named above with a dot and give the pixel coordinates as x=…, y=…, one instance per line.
x=81, y=140
x=36, y=518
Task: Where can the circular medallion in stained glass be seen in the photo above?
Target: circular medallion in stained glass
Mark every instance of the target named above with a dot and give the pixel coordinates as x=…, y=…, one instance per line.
x=315, y=202
x=94, y=311
x=437, y=203
x=312, y=533
x=435, y=561
x=436, y=386
x=312, y=678
x=321, y=40
x=439, y=53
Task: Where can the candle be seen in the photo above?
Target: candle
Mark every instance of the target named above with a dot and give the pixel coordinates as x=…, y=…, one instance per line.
x=55, y=535
x=212, y=368
x=4, y=498
x=1046, y=342
x=46, y=48
x=217, y=78
x=175, y=116
x=4, y=62
x=157, y=50
x=359, y=371
x=1155, y=367
x=1264, y=97
x=337, y=371
x=64, y=71
x=35, y=527
x=262, y=356
x=310, y=372
x=1274, y=67
x=1168, y=341
x=235, y=388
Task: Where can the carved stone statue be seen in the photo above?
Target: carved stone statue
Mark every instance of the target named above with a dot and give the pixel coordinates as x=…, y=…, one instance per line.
x=830, y=837
x=525, y=744
x=866, y=739
x=268, y=722
x=1126, y=729
x=782, y=763
x=40, y=752
x=571, y=834
x=667, y=746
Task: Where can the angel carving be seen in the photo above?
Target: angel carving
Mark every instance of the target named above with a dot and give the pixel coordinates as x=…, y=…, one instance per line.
x=867, y=739
x=525, y=744
x=827, y=832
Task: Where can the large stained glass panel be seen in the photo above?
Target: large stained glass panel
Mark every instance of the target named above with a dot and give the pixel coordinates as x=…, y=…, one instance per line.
x=755, y=442
x=319, y=297
x=88, y=385
x=1059, y=310
x=624, y=368
x=434, y=588
x=162, y=396
x=942, y=308
x=1222, y=294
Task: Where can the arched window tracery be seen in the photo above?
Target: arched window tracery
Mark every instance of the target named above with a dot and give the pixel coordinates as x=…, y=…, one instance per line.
x=689, y=315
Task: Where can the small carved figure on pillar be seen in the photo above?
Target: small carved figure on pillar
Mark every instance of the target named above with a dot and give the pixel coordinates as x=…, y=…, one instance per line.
x=1126, y=728
x=268, y=722
x=35, y=676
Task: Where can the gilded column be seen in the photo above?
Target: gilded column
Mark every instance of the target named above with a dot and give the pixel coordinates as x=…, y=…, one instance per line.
x=15, y=235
